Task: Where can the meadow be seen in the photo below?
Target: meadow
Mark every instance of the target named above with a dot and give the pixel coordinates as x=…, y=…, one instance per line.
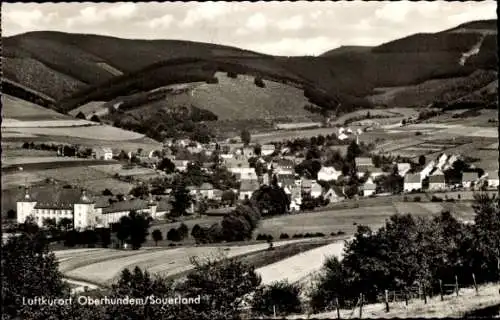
x=97, y=132
x=18, y=109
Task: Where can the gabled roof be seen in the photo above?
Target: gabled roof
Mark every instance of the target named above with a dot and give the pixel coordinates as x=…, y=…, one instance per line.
x=436, y=179
x=56, y=198
x=104, y=150
x=206, y=186
x=249, y=185
x=121, y=206
x=470, y=176
x=492, y=175
x=412, y=178
x=363, y=161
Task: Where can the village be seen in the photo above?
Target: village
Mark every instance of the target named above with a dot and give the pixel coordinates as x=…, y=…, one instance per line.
x=311, y=172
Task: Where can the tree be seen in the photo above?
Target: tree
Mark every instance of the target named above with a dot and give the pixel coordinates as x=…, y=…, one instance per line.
x=157, y=236
x=29, y=270
x=259, y=82
x=80, y=115
x=228, y=196
x=353, y=151
x=107, y=192
x=271, y=200
x=222, y=285
x=95, y=118
x=245, y=137
x=166, y=165
x=65, y=224
x=421, y=160
x=138, y=228
x=257, y=149
x=11, y=214
x=181, y=201
x=140, y=190
x=174, y=235
x=183, y=230
x=284, y=297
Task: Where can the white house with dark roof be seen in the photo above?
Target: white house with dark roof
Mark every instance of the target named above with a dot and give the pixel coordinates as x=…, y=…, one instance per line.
x=492, y=179
x=102, y=153
x=412, y=182
x=267, y=149
x=363, y=163
x=369, y=188
x=328, y=174
x=403, y=168
x=469, y=178
x=437, y=181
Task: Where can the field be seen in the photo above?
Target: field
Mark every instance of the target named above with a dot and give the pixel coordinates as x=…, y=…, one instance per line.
x=19, y=109
x=281, y=135
x=300, y=266
x=102, y=266
x=101, y=132
x=118, y=169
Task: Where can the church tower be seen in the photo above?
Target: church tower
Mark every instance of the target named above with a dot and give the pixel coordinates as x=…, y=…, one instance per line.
x=25, y=206
x=84, y=213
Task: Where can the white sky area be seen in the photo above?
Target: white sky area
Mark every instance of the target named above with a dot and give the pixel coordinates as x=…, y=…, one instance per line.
x=278, y=28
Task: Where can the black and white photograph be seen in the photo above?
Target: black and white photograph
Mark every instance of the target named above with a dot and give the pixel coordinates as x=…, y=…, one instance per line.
x=250, y=160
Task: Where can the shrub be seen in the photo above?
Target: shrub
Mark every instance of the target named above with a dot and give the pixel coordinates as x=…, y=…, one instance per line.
x=80, y=115
x=298, y=235
x=183, y=231
x=174, y=235
x=233, y=75
x=436, y=199
x=213, y=80
x=284, y=236
x=259, y=82
x=284, y=297
x=417, y=199
x=95, y=118
x=418, y=133
x=340, y=232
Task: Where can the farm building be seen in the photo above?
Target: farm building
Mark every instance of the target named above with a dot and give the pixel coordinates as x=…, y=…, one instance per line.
x=492, y=178
x=316, y=190
x=442, y=160
x=369, y=188
x=328, y=174
x=181, y=165
x=84, y=210
x=247, y=188
x=206, y=190
x=469, y=179
x=412, y=182
x=286, y=180
x=427, y=169
x=342, y=136
x=295, y=195
x=333, y=196
x=363, y=164
x=248, y=152
x=103, y=153
x=437, y=181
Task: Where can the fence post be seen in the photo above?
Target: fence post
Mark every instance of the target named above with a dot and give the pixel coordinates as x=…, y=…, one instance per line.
x=360, y=305
x=386, y=300
x=338, y=307
x=441, y=289
x=456, y=284
x=425, y=293
x=475, y=283
x=274, y=311
x=406, y=298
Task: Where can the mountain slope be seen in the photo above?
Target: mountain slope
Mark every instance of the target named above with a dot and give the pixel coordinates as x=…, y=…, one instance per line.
x=75, y=69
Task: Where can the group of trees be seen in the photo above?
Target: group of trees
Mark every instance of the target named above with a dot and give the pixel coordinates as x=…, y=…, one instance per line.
x=411, y=251
x=132, y=229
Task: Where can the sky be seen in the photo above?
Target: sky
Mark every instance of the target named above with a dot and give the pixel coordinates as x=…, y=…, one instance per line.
x=279, y=28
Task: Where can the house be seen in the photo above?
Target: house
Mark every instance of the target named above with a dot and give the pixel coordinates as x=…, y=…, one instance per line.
x=437, y=181
x=102, y=153
x=403, y=168
x=286, y=180
x=181, y=165
x=248, y=152
x=342, y=136
x=412, y=182
x=328, y=174
x=225, y=156
x=316, y=190
x=469, y=179
x=306, y=185
x=451, y=160
x=207, y=190
x=267, y=149
x=284, y=166
x=333, y=196
x=363, y=164
x=249, y=175
x=295, y=196
x=377, y=173
x=247, y=188
x=492, y=179
x=369, y=188
x=217, y=195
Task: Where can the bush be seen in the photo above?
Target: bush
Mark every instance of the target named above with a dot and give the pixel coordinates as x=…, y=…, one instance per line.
x=284, y=297
x=183, y=231
x=436, y=199
x=298, y=235
x=174, y=235
x=259, y=82
x=418, y=133
x=417, y=199
x=95, y=118
x=213, y=80
x=233, y=75
x=263, y=236
x=80, y=115
x=284, y=236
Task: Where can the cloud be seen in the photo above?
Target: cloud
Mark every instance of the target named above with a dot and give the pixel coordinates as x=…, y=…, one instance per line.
x=207, y=11
x=292, y=23
x=123, y=11
x=394, y=11
x=472, y=12
x=257, y=22
x=94, y=15
x=28, y=19
x=161, y=22
x=297, y=46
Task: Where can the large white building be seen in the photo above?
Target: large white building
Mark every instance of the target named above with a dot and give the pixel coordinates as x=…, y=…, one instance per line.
x=83, y=210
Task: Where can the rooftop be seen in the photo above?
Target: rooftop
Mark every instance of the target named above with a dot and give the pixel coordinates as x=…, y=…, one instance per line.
x=412, y=178
x=249, y=185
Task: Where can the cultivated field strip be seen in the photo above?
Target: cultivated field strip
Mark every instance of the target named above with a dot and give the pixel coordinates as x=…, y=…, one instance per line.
x=301, y=265
x=98, y=132
x=105, y=265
